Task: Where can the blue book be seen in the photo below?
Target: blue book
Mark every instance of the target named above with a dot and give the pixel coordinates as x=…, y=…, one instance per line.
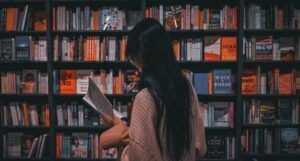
x=23, y=47
x=222, y=81
x=201, y=83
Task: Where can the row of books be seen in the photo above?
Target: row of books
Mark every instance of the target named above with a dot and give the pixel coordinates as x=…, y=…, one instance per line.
x=28, y=81
x=272, y=16
x=283, y=111
x=214, y=48
x=284, y=140
x=87, y=18
x=24, y=114
x=110, y=82
x=218, y=81
x=20, y=145
x=82, y=145
x=220, y=147
x=22, y=19
x=275, y=81
x=218, y=114
x=23, y=48
x=194, y=17
x=271, y=48
x=89, y=48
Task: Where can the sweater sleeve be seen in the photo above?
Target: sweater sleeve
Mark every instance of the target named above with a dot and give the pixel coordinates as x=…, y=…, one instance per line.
x=199, y=128
x=142, y=145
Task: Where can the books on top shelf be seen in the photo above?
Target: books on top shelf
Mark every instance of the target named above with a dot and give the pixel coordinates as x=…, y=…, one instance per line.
x=271, y=48
x=24, y=114
x=282, y=112
x=25, y=81
x=89, y=48
x=82, y=145
x=23, y=48
x=88, y=18
x=211, y=48
x=218, y=81
x=276, y=81
x=194, y=17
x=275, y=16
x=218, y=114
x=19, y=145
x=22, y=19
x=220, y=147
x=110, y=82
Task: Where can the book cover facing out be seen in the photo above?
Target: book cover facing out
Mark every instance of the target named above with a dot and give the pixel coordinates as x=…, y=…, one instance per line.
x=222, y=81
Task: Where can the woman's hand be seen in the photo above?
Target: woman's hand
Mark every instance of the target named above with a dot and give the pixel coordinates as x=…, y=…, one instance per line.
x=116, y=136
x=109, y=123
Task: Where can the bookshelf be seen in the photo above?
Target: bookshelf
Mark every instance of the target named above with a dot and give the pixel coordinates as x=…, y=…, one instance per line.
x=236, y=67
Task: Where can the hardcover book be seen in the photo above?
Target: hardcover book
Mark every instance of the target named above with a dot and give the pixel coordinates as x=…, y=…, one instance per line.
x=287, y=49
x=29, y=84
x=264, y=48
x=221, y=114
x=267, y=113
x=67, y=81
x=79, y=145
x=23, y=48
x=229, y=48
x=172, y=17
x=222, y=82
x=212, y=48
x=289, y=140
x=201, y=83
x=216, y=148
x=249, y=82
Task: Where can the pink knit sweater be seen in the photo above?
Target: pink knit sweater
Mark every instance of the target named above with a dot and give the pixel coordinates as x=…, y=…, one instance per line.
x=143, y=145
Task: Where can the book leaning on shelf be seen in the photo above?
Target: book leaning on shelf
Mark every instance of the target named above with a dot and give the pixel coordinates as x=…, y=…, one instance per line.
x=23, y=48
x=24, y=114
x=20, y=145
x=194, y=17
x=29, y=81
x=22, y=19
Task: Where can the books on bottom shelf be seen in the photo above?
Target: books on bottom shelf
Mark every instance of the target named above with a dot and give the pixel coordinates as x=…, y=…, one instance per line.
x=18, y=145
x=82, y=145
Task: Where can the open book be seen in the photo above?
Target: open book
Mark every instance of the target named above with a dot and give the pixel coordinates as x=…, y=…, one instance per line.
x=98, y=101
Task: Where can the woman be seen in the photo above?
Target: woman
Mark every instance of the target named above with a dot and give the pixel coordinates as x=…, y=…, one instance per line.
x=166, y=121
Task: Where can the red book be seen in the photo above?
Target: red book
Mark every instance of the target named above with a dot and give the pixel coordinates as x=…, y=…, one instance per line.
x=67, y=82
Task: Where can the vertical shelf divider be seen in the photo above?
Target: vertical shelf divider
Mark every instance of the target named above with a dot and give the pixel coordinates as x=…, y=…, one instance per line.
x=50, y=79
x=238, y=85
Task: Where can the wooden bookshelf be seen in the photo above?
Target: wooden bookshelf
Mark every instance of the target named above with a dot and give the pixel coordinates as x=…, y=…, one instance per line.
x=237, y=68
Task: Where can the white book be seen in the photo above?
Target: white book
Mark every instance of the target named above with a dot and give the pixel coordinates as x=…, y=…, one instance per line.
x=59, y=115
x=97, y=100
x=14, y=115
x=80, y=115
x=42, y=50
x=33, y=115
x=82, y=81
x=161, y=14
x=33, y=147
x=276, y=50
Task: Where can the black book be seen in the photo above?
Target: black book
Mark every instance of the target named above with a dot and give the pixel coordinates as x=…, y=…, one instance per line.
x=91, y=118
x=288, y=140
x=285, y=111
x=216, y=147
x=23, y=48
x=7, y=49
x=27, y=141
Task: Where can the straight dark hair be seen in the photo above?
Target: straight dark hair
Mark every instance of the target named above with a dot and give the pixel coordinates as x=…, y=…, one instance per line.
x=150, y=45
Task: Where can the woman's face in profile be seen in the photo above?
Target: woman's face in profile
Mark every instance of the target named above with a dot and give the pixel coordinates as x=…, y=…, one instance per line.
x=137, y=64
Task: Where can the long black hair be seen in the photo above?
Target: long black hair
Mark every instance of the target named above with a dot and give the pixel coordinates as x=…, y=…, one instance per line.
x=150, y=45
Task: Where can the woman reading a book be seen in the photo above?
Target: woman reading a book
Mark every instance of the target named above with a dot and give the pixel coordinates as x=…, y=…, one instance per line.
x=166, y=120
